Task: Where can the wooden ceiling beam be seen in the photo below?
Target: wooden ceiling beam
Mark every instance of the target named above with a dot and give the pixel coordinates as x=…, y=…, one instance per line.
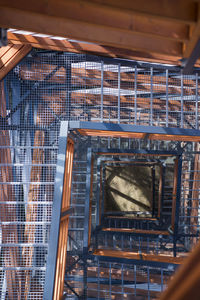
x=80, y=30
x=179, y=11
x=10, y=56
x=144, y=25
x=156, y=31
x=83, y=47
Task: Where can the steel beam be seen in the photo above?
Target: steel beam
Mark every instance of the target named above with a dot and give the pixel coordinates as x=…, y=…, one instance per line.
x=178, y=198
x=98, y=191
x=162, y=192
x=133, y=128
x=134, y=63
x=103, y=192
x=68, y=89
x=87, y=202
x=153, y=190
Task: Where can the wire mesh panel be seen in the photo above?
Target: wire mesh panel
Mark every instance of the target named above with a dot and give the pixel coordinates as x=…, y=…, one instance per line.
x=115, y=280
x=25, y=209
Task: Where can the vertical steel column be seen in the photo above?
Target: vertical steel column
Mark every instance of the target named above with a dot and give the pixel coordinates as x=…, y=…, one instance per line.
x=119, y=108
x=196, y=112
x=162, y=192
x=87, y=202
x=119, y=81
x=178, y=197
x=102, y=193
x=135, y=88
x=129, y=140
x=102, y=79
x=151, y=99
x=68, y=88
x=56, y=212
x=98, y=191
x=167, y=100
x=181, y=100
x=153, y=190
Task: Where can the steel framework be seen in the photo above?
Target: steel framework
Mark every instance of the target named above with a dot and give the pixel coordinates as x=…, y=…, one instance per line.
x=61, y=108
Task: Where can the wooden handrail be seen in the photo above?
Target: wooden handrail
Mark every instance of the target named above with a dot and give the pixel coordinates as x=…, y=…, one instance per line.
x=138, y=256
x=186, y=282
x=139, y=231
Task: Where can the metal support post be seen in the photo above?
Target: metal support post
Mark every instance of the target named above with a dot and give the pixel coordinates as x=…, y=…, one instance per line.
x=151, y=99
x=98, y=191
x=119, y=94
x=135, y=91
x=153, y=190
x=162, y=192
x=167, y=100
x=102, y=79
x=103, y=193
x=68, y=89
x=178, y=198
x=87, y=202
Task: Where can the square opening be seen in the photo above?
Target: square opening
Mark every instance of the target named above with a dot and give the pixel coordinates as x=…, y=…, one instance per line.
x=132, y=189
x=142, y=188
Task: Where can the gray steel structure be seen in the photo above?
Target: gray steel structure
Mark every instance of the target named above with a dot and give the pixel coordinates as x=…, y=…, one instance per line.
x=48, y=88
